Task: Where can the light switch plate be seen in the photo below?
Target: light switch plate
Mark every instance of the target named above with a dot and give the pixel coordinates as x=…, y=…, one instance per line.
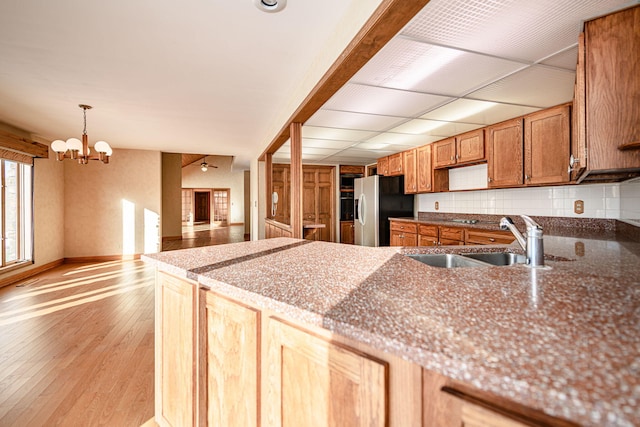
x=578, y=206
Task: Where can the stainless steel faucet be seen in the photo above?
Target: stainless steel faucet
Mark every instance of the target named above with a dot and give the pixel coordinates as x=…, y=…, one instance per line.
x=533, y=244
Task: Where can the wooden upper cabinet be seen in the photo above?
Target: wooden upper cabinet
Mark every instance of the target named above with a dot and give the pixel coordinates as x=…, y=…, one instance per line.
x=612, y=86
x=606, y=119
x=312, y=381
x=546, y=146
x=383, y=166
x=505, y=151
x=396, y=166
x=410, y=171
x=464, y=149
x=444, y=153
x=424, y=169
x=470, y=147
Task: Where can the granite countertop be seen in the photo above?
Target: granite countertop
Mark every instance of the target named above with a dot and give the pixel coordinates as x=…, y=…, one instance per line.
x=564, y=339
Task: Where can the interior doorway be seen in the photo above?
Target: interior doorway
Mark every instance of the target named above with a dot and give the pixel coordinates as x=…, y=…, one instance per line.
x=221, y=206
x=201, y=208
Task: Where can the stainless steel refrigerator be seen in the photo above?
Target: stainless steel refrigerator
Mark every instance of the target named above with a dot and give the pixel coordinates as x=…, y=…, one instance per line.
x=377, y=198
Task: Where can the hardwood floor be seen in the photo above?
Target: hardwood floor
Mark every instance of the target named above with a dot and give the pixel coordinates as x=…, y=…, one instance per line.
x=205, y=235
x=76, y=346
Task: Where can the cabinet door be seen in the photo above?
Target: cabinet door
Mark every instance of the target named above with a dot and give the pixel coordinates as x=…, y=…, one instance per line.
x=175, y=351
x=314, y=382
x=383, y=166
x=428, y=235
x=231, y=371
x=578, y=125
x=470, y=147
x=488, y=237
x=546, y=146
x=612, y=88
x=347, y=232
x=505, y=154
x=410, y=166
x=444, y=153
x=423, y=169
x=396, y=166
x=325, y=203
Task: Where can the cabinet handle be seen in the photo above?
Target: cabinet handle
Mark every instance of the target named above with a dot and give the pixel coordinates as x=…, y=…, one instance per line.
x=489, y=179
x=491, y=239
x=527, y=177
x=453, y=158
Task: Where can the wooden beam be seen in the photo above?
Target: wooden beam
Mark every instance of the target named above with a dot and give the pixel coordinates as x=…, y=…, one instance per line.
x=24, y=145
x=388, y=19
x=296, y=179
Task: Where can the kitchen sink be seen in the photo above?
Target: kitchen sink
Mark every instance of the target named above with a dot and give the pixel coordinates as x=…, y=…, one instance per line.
x=498, y=258
x=469, y=260
x=446, y=260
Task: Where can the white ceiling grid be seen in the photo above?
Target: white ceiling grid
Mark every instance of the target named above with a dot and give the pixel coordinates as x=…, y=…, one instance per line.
x=457, y=66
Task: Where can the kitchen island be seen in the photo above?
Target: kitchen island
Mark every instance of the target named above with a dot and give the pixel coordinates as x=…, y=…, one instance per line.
x=562, y=342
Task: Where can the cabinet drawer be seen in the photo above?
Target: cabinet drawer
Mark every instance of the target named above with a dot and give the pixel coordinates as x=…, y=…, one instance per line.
x=407, y=227
x=428, y=230
x=452, y=233
x=485, y=237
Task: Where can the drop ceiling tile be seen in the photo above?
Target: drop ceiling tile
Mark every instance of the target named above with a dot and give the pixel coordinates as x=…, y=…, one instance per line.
x=479, y=112
x=384, y=101
x=346, y=160
x=507, y=28
x=353, y=121
x=403, y=139
x=364, y=154
x=326, y=143
x=434, y=127
x=319, y=151
x=413, y=65
x=335, y=133
x=537, y=86
x=567, y=59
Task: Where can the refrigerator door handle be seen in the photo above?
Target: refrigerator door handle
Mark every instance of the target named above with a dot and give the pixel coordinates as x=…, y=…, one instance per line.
x=361, y=209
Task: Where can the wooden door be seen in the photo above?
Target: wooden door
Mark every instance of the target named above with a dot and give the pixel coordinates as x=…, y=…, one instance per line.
x=444, y=153
x=175, y=351
x=281, y=184
x=324, y=203
x=505, y=154
x=410, y=166
x=309, y=195
x=202, y=206
x=470, y=147
x=230, y=352
x=546, y=146
x=314, y=382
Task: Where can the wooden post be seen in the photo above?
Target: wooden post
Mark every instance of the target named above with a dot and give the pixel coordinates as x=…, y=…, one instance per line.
x=296, y=179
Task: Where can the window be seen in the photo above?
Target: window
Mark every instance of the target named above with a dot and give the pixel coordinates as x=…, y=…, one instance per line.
x=16, y=206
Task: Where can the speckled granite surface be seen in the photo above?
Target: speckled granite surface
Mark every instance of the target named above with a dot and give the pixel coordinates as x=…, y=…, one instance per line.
x=565, y=340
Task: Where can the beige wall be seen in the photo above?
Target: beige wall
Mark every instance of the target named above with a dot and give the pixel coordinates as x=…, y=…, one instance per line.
x=222, y=177
x=171, y=195
x=97, y=197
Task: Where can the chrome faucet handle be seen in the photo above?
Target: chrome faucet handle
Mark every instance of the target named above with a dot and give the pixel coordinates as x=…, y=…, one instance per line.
x=530, y=223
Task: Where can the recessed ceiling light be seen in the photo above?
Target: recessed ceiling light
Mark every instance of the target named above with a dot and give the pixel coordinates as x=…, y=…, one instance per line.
x=270, y=6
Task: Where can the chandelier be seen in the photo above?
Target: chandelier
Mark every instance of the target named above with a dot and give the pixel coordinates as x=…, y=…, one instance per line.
x=79, y=150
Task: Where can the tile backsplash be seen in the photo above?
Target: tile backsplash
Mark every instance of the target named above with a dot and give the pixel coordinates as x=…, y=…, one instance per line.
x=612, y=201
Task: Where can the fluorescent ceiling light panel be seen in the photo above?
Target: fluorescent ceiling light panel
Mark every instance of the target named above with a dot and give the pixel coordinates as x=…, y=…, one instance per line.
x=478, y=112
x=326, y=143
x=355, y=121
x=374, y=146
x=412, y=65
x=335, y=133
x=384, y=101
x=537, y=86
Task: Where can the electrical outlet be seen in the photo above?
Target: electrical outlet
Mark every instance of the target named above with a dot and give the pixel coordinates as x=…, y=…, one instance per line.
x=578, y=207
x=437, y=206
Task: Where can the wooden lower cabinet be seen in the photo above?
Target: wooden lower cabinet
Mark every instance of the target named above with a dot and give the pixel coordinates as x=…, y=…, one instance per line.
x=175, y=351
x=347, y=232
x=230, y=361
x=314, y=382
x=221, y=362
x=403, y=233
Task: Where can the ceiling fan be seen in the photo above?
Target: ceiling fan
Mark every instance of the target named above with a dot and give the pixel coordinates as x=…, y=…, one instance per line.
x=204, y=165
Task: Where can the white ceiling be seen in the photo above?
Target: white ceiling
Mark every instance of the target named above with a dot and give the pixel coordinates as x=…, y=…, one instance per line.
x=206, y=76
x=457, y=66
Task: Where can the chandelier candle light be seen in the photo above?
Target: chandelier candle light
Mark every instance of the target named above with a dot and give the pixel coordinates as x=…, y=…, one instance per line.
x=79, y=150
